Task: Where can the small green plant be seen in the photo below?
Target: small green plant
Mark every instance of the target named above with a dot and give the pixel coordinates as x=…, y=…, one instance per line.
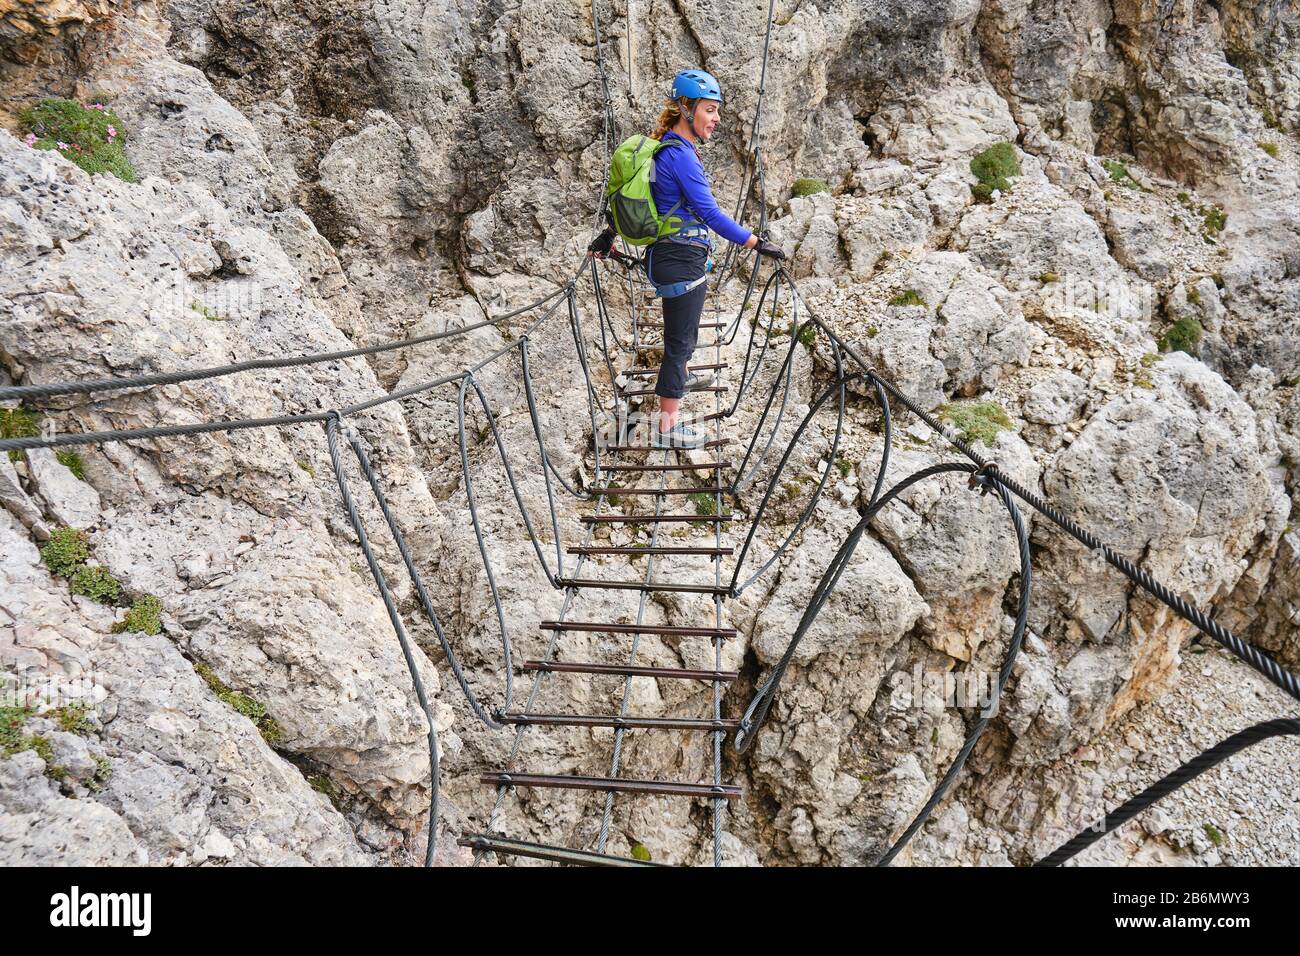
x=1150, y=358
x=13, y=740
x=1185, y=199
x=884, y=257
x=203, y=310
x=1218, y=280
x=242, y=704
x=19, y=423
x=872, y=331
x=92, y=137
x=806, y=187
x=66, y=550
x=808, y=334
x=908, y=297
x=639, y=852
x=1047, y=278
x=1194, y=296
x=1213, y=221
x=1270, y=148
x=1269, y=119
x=1214, y=833
x=844, y=466
x=321, y=783
x=991, y=168
x=306, y=466
x=11, y=729
x=144, y=617
x=73, y=718
x=97, y=583
x=934, y=736
x=103, y=770
x=70, y=460
x=704, y=503
x=977, y=421
x=1183, y=336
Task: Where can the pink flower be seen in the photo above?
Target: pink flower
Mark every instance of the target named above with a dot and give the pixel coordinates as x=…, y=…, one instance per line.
x=99, y=106
x=61, y=145
x=30, y=139
x=112, y=131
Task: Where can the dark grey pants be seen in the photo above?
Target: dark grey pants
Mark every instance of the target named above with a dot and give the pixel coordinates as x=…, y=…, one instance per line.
x=678, y=262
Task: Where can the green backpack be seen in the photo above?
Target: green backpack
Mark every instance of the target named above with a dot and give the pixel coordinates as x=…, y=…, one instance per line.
x=630, y=204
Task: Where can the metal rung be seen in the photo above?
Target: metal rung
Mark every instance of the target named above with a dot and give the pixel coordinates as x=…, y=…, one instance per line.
x=694, y=388
x=669, y=673
x=645, y=519
x=617, y=784
x=690, y=368
x=716, y=443
x=540, y=851
x=642, y=586
x=606, y=490
x=660, y=346
x=628, y=723
x=667, y=630
x=702, y=325
x=588, y=549
x=679, y=467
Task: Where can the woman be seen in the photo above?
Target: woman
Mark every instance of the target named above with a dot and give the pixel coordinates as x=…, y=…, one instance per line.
x=680, y=185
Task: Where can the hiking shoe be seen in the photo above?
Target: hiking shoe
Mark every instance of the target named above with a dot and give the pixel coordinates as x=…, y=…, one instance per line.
x=680, y=437
x=696, y=380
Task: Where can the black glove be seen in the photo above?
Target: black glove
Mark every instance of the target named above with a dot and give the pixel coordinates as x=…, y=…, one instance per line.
x=602, y=244
x=767, y=249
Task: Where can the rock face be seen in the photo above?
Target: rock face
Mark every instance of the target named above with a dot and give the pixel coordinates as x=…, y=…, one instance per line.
x=320, y=176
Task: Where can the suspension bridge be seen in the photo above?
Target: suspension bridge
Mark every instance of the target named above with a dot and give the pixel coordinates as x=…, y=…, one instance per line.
x=637, y=486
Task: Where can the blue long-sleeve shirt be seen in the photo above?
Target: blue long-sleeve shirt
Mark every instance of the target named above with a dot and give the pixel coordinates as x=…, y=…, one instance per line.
x=678, y=173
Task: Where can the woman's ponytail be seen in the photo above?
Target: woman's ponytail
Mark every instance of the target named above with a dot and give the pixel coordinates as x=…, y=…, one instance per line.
x=672, y=112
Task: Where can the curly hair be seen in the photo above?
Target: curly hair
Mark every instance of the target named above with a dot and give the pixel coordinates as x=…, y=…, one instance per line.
x=672, y=112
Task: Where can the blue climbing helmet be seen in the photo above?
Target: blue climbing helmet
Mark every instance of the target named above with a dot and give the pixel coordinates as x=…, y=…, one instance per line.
x=696, y=85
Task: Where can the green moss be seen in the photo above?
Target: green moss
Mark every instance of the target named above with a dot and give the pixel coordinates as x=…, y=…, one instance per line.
x=977, y=421
x=143, y=618
x=1150, y=358
x=1194, y=297
x=1218, y=280
x=1183, y=336
x=934, y=736
x=66, y=550
x=1047, y=278
x=70, y=460
x=96, y=583
x=806, y=187
x=242, y=704
x=1214, y=833
x=991, y=168
x=639, y=852
x=705, y=504
x=91, y=138
x=1270, y=148
x=306, y=466
x=908, y=297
